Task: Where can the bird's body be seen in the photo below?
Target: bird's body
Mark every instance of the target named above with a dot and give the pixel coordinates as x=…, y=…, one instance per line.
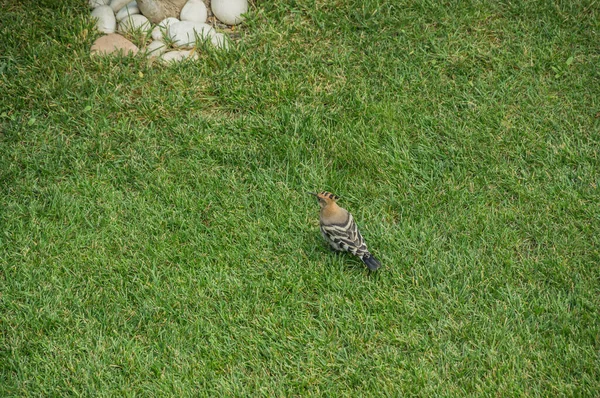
x=340, y=231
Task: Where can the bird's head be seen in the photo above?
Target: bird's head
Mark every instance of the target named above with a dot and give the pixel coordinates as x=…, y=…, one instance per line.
x=325, y=198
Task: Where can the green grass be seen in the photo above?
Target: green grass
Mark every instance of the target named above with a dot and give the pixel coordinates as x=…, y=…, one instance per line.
x=156, y=238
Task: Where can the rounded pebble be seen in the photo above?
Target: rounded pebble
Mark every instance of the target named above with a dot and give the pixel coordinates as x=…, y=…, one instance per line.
x=113, y=43
x=116, y=5
x=155, y=49
x=177, y=56
x=130, y=9
x=185, y=33
x=160, y=30
x=194, y=11
x=229, y=11
x=220, y=41
x=98, y=3
x=157, y=10
x=106, y=22
x=134, y=23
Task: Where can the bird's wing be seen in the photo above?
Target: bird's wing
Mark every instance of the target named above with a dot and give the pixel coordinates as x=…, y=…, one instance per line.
x=347, y=235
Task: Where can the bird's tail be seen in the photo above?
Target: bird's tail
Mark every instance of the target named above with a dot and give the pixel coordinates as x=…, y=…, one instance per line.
x=371, y=262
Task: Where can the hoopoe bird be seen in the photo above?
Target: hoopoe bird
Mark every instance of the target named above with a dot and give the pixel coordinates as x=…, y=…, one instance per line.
x=340, y=231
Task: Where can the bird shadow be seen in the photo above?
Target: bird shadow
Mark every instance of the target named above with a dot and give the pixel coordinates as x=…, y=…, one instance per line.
x=351, y=263
x=342, y=260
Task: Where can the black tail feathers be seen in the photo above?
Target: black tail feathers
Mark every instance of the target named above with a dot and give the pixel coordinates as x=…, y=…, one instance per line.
x=371, y=262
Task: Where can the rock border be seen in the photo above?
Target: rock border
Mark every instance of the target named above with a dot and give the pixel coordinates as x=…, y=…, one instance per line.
x=172, y=38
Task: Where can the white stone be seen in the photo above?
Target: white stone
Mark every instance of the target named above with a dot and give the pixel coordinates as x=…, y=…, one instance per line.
x=220, y=41
x=177, y=56
x=155, y=49
x=160, y=30
x=229, y=11
x=165, y=23
x=98, y=3
x=116, y=5
x=194, y=11
x=184, y=33
x=106, y=22
x=135, y=22
x=157, y=33
x=130, y=9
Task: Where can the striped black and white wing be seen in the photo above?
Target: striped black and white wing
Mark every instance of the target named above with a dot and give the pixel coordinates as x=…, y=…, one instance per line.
x=345, y=236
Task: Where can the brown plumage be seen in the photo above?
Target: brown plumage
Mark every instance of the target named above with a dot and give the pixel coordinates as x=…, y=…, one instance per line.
x=340, y=231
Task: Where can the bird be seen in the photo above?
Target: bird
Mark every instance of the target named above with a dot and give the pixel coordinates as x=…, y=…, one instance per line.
x=340, y=231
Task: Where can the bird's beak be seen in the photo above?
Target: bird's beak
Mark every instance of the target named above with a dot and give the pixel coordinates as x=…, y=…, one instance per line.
x=312, y=193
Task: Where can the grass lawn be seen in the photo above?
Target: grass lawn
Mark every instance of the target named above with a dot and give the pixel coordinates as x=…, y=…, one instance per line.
x=156, y=238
